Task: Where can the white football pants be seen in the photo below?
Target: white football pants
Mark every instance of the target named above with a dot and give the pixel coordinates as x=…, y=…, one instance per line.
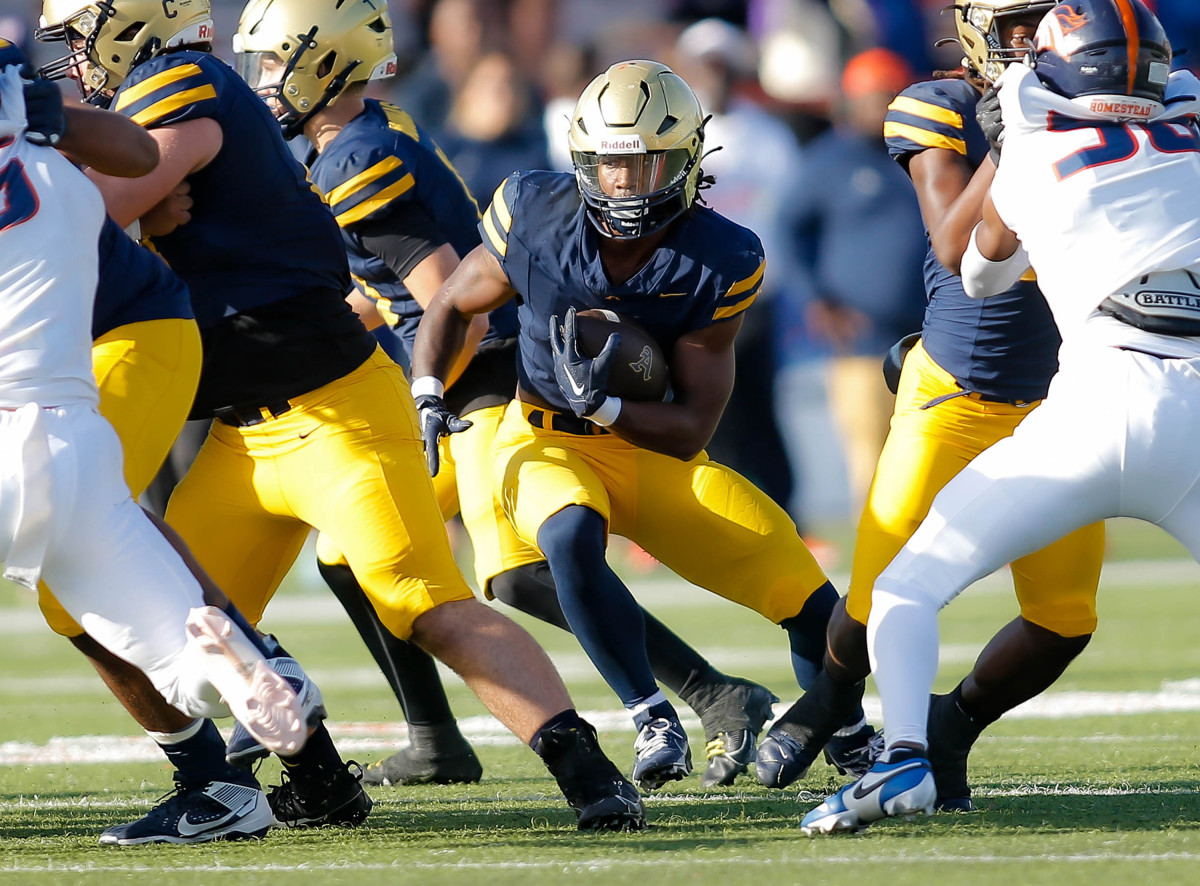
x=64, y=507
x=1117, y=436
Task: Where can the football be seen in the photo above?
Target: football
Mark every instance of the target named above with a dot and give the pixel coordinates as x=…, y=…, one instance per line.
x=640, y=370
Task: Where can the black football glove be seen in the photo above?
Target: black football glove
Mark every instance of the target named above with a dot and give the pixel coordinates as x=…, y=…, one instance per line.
x=987, y=114
x=47, y=121
x=436, y=422
x=582, y=380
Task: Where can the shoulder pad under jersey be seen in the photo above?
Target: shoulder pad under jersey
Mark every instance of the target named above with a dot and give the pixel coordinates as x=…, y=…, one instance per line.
x=930, y=114
x=169, y=89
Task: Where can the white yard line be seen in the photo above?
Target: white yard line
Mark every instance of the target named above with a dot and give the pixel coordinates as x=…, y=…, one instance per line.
x=352, y=738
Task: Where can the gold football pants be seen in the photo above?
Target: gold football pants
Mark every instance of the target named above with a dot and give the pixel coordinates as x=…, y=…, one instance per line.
x=147, y=373
x=345, y=459
x=464, y=485
x=925, y=448
x=705, y=522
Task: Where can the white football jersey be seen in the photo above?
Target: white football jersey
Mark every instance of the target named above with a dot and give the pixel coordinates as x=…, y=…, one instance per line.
x=1096, y=203
x=50, y=218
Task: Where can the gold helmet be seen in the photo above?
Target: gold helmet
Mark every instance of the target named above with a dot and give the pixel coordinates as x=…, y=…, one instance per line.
x=642, y=117
x=300, y=55
x=979, y=27
x=108, y=38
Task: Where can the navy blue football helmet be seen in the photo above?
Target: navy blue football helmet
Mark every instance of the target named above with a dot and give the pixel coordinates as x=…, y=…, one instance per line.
x=1110, y=48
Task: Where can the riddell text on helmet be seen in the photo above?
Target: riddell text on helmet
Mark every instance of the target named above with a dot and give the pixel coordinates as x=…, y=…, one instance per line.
x=625, y=144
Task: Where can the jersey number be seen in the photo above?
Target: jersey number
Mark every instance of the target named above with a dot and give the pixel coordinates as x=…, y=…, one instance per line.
x=18, y=202
x=1118, y=143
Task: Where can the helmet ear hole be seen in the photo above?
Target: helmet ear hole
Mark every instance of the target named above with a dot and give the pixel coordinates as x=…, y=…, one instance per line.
x=325, y=68
x=131, y=32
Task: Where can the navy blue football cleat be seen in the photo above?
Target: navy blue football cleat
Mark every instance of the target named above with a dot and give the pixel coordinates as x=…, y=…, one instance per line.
x=662, y=754
x=901, y=785
x=783, y=759
x=198, y=813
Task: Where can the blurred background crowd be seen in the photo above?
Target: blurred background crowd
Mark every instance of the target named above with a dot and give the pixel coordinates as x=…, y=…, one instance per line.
x=797, y=90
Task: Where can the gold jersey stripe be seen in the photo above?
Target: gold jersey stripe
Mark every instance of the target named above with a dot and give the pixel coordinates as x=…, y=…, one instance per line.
x=906, y=105
x=160, y=109
x=750, y=282
x=154, y=82
x=924, y=137
x=502, y=214
x=731, y=310
x=499, y=243
x=352, y=186
x=383, y=198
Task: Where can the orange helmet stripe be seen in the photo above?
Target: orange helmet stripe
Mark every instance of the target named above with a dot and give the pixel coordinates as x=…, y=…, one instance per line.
x=1132, y=38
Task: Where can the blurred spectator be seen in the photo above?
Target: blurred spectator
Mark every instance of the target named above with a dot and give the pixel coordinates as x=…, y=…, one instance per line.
x=567, y=70
x=860, y=244
x=757, y=157
x=460, y=32
x=799, y=61
x=493, y=128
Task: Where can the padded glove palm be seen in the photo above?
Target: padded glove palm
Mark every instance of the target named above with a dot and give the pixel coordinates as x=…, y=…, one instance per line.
x=582, y=380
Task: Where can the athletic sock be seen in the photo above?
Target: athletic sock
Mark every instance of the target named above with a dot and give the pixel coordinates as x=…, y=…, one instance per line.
x=316, y=762
x=806, y=633
x=198, y=754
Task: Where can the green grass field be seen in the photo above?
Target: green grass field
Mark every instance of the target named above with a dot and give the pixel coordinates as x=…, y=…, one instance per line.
x=1096, y=782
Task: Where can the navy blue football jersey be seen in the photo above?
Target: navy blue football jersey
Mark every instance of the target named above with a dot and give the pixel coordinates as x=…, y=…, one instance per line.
x=380, y=166
x=1004, y=346
x=707, y=270
x=259, y=233
x=134, y=285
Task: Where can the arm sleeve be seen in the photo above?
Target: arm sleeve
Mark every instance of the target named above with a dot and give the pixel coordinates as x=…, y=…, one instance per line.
x=982, y=277
x=406, y=237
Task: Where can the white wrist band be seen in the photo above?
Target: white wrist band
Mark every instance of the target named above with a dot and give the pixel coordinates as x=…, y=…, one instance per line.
x=427, y=386
x=607, y=413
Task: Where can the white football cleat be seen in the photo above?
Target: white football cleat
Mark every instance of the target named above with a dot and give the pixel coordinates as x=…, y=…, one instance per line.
x=258, y=697
x=903, y=785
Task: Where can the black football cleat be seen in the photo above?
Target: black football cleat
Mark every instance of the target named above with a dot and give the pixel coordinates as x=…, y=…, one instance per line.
x=337, y=800
x=594, y=788
x=733, y=713
x=411, y=766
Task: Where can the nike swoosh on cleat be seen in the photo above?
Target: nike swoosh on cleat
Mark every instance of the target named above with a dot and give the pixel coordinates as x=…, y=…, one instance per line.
x=863, y=788
x=187, y=828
